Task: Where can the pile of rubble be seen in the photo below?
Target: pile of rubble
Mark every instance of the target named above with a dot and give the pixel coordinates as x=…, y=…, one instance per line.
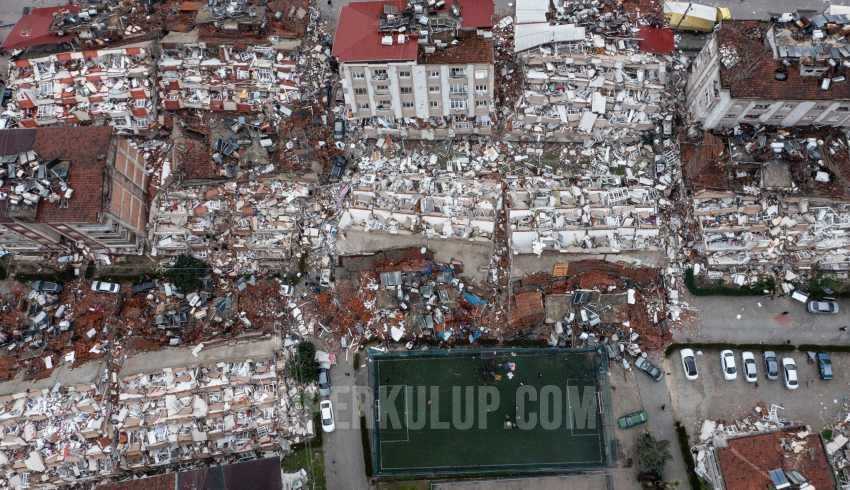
x=31, y=179
x=110, y=85
x=56, y=437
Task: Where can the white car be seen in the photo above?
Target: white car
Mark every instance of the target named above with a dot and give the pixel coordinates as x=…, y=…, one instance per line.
x=105, y=287
x=749, y=367
x=327, y=415
x=689, y=364
x=727, y=363
x=789, y=371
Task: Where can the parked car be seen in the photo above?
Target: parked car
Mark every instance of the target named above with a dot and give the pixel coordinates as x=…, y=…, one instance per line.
x=105, y=287
x=727, y=363
x=789, y=371
x=750, y=370
x=771, y=365
x=650, y=369
x=632, y=420
x=822, y=307
x=339, y=129
x=689, y=364
x=824, y=365
x=327, y=411
x=324, y=382
x=143, y=287
x=339, y=165
x=47, y=287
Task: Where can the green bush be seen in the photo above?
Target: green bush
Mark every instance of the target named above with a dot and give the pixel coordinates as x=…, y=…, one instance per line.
x=187, y=272
x=652, y=455
x=718, y=288
x=304, y=366
x=818, y=285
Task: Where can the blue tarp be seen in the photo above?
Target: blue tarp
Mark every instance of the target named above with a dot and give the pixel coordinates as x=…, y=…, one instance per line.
x=473, y=299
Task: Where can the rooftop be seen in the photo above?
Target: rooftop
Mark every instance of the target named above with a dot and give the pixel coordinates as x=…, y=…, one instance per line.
x=85, y=149
x=359, y=37
x=34, y=28
x=746, y=461
x=748, y=67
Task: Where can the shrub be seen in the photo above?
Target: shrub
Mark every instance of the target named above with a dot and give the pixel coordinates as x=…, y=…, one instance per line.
x=304, y=366
x=652, y=455
x=187, y=272
x=718, y=288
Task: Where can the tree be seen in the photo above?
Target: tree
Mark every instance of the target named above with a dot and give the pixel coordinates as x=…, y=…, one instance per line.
x=303, y=365
x=652, y=455
x=186, y=273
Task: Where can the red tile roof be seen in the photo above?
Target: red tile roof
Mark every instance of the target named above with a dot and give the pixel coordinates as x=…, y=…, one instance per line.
x=753, y=75
x=86, y=148
x=357, y=37
x=745, y=461
x=34, y=28
x=658, y=40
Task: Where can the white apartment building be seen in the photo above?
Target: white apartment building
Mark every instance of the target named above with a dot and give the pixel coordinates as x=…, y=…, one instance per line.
x=441, y=69
x=779, y=75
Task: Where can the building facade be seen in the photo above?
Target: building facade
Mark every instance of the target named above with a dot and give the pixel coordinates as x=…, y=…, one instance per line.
x=752, y=73
x=443, y=70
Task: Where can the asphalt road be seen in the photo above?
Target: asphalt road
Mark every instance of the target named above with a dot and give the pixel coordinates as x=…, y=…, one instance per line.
x=757, y=319
x=344, y=463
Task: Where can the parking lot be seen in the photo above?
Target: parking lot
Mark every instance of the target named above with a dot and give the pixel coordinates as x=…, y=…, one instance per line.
x=815, y=402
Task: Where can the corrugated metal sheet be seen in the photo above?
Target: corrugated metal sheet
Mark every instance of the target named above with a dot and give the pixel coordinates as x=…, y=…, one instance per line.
x=527, y=36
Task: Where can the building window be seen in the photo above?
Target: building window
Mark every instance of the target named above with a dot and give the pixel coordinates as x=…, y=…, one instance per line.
x=379, y=74
x=360, y=91
x=435, y=73
x=358, y=75
x=382, y=88
x=406, y=90
x=457, y=73
x=843, y=108
x=458, y=104
x=434, y=104
x=761, y=106
x=480, y=103
x=383, y=105
x=457, y=88
x=404, y=74
x=364, y=107
x=407, y=104
x=820, y=107
x=481, y=88
x=434, y=89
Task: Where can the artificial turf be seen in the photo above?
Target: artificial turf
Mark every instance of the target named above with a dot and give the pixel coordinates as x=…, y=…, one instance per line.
x=435, y=388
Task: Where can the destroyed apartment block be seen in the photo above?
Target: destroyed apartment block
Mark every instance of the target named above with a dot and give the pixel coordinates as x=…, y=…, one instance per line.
x=71, y=187
x=577, y=83
x=419, y=69
x=550, y=215
x=788, y=73
x=106, y=86
x=181, y=415
x=227, y=77
x=770, y=199
x=436, y=207
x=283, y=22
x=55, y=437
x=233, y=227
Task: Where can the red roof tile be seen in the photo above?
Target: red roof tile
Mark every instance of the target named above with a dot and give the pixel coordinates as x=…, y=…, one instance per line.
x=357, y=37
x=34, y=28
x=86, y=148
x=753, y=76
x=745, y=461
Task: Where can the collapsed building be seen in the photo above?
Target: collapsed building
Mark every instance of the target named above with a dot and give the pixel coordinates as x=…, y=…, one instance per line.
x=111, y=86
x=65, y=188
x=769, y=202
x=788, y=73
x=580, y=82
x=429, y=64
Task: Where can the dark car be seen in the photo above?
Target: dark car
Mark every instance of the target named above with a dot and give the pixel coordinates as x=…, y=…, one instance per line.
x=824, y=365
x=143, y=287
x=771, y=365
x=47, y=287
x=340, y=163
x=324, y=382
x=650, y=369
x=339, y=129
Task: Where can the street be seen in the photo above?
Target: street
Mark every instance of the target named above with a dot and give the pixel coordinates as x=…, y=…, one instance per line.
x=758, y=319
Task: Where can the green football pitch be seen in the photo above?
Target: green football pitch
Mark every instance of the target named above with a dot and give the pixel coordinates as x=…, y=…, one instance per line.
x=481, y=411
